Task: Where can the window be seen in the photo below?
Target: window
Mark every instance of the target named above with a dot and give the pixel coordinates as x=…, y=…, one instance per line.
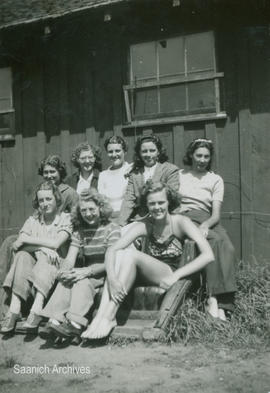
x=6, y=105
x=173, y=77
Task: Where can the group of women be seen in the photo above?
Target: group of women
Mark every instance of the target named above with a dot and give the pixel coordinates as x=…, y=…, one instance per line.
x=81, y=236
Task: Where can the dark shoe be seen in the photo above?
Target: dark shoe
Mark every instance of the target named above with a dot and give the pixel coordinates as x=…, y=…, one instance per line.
x=66, y=329
x=9, y=323
x=47, y=331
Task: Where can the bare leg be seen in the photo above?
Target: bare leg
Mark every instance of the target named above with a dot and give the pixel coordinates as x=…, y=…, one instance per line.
x=105, y=299
x=150, y=268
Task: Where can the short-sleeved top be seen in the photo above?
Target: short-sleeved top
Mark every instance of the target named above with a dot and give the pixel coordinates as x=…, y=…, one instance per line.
x=35, y=226
x=94, y=242
x=113, y=183
x=199, y=191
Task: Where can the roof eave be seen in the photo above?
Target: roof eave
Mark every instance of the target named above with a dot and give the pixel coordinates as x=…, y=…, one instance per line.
x=61, y=14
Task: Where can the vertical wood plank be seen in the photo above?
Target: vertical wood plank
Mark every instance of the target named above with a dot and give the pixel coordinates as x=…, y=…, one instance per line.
x=18, y=148
x=178, y=144
x=245, y=145
x=211, y=133
x=1, y=198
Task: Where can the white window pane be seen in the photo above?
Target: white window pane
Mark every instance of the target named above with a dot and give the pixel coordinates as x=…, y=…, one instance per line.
x=201, y=95
x=172, y=98
x=145, y=101
x=5, y=104
x=200, y=54
x=171, y=57
x=144, y=62
x=5, y=82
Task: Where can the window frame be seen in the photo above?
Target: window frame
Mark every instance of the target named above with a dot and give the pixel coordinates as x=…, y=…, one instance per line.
x=8, y=133
x=184, y=79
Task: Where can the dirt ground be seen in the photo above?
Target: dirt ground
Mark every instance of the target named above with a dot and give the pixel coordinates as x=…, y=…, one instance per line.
x=132, y=368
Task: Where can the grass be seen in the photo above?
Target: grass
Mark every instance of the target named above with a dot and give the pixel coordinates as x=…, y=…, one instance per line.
x=250, y=322
x=8, y=362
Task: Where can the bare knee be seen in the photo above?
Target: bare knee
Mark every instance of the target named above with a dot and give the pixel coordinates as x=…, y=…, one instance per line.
x=124, y=258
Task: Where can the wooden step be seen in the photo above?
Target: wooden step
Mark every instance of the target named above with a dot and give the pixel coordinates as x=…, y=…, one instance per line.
x=133, y=328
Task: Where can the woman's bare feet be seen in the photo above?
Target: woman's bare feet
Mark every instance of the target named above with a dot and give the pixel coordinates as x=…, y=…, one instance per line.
x=212, y=307
x=104, y=328
x=99, y=329
x=221, y=314
x=91, y=328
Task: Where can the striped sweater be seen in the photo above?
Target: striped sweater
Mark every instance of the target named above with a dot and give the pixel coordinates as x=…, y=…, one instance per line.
x=93, y=242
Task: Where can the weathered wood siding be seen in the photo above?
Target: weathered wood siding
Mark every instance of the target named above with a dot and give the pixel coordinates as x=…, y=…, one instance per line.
x=68, y=88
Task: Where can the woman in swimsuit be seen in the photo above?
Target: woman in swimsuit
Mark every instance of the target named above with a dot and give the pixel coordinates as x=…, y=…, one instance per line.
x=158, y=264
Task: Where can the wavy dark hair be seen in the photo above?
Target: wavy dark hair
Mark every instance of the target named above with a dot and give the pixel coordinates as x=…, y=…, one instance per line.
x=138, y=162
x=85, y=146
x=116, y=139
x=56, y=162
x=101, y=201
x=47, y=186
x=196, y=144
x=151, y=187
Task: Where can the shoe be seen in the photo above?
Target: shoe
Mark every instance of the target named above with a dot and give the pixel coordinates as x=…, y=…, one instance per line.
x=66, y=329
x=9, y=323
x=47, y=331
x=32, y=321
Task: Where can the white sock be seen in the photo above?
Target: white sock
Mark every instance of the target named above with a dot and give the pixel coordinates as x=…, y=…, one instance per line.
x=54, y=321
x=75, y=324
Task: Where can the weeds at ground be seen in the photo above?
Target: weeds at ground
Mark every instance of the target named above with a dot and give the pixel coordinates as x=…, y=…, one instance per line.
x=249, y=324
x=122, y=341
x=8, y=362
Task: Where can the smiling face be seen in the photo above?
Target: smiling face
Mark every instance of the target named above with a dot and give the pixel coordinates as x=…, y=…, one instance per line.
x=51, y=173
x=86, y=161
x=47, y=202
x=90, y=212
x=116, y=154
x=200, y=159
x=157, y=203
x=149, y=153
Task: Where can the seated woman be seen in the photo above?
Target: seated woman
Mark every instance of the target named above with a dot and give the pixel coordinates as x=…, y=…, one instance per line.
x=54, y=169
x=87, y=159
x=158, y=264
x=150, y=162
x=113, y=181
x=77, y=287
x=41, y=243
x=202, y=195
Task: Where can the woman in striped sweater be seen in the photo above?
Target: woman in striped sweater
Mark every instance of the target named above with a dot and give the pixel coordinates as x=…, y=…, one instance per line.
x=77, y=287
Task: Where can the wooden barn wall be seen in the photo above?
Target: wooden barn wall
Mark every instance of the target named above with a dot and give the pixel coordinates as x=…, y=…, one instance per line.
x=68, y=88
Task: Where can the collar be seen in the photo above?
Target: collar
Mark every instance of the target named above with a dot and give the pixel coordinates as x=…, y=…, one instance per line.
x=63, y=187
x=55, y=221
x=88, y=179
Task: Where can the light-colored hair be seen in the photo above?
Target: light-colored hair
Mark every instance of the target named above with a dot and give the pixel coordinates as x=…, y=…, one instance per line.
x=85, y=146
x=47, y=186
x=101, y=201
